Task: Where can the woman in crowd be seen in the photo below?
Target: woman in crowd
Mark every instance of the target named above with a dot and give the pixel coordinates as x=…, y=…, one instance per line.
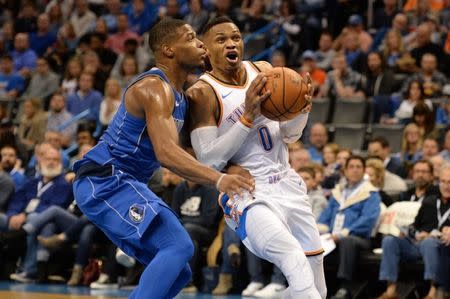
x=111, y=101
x=411, y=144
x=71, y=76
x=128, y=71
x=393, y=49
x=413, y=96
x=375, y=171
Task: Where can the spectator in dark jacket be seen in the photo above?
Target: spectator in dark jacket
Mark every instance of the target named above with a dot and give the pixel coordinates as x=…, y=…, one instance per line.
x=34, y=197
x=198, y=209
x=38, y=194
x=6, y=191
x=423, y=240
x=379, y=147
x=422, y=175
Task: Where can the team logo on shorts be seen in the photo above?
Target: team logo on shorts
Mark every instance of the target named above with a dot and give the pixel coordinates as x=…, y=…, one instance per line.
x=137, y=212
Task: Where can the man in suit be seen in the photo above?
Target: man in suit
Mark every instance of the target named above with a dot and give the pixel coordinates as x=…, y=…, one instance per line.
x=379, y=146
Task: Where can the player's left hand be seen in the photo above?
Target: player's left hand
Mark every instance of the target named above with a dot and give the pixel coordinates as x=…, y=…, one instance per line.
x=309, y=95
x=233, y=184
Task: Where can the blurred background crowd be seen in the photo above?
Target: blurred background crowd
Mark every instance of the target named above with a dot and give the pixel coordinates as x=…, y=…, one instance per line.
x=380, y=69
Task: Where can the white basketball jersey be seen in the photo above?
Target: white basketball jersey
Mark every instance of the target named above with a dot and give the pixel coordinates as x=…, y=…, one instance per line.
x=263, y=152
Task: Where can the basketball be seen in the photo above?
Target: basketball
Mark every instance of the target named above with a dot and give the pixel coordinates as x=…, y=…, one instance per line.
x=287, y=98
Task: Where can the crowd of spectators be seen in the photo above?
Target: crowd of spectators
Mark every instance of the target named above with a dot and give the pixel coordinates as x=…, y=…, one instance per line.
x=65, y=64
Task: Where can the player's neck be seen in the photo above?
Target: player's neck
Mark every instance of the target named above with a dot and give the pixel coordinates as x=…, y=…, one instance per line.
x=176, y=75
x=236, y=77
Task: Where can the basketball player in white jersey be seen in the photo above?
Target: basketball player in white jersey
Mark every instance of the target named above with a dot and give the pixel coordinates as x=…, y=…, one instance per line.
x=277, y=223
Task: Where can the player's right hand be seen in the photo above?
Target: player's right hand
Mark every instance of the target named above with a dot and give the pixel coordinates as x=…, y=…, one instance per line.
x=309, y=95
x=254, y=97
x=233, y=184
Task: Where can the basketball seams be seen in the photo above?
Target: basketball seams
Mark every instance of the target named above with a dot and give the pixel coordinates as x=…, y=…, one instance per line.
x=273, y=103
x=283, y=79
x=296, y=99
x=282, y=113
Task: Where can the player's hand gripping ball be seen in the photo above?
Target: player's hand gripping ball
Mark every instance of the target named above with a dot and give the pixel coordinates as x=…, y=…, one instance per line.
x=290, y=94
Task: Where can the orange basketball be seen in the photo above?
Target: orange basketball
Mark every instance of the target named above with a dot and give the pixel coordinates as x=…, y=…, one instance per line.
x=287, y=98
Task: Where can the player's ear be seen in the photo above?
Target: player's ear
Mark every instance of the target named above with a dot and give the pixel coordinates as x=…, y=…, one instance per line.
x=168, y=51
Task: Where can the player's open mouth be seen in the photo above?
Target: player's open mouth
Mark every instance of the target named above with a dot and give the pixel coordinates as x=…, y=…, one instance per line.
x=232, y=57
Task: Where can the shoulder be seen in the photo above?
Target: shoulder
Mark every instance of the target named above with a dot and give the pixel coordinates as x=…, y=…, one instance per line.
x=200, y=90
x=430, y=201
x=149, y=86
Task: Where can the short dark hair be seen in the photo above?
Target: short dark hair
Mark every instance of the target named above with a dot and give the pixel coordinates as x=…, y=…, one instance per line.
x=216, y=21
x=100, y=36
x=356, y=157
x=6, y=57
x=130, y=42
x=430, y=165
x=307, y=169
x=163, y=32
x=11, y=146
x=381, y=140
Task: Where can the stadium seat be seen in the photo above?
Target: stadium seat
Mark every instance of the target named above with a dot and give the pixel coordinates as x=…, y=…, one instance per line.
x=393, y=134
x=349, y=111
x=320, y=110
x=349, y=135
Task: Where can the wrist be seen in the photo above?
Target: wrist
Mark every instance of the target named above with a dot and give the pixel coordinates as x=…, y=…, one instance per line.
x=219, y=180
x=246, y=120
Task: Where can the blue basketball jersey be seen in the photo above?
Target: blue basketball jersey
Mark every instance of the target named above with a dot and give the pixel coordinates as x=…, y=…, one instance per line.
x=126, y=144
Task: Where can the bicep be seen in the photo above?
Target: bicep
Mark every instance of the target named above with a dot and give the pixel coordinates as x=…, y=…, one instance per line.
x=160, y=125
x=203, y=108
x=157, y=102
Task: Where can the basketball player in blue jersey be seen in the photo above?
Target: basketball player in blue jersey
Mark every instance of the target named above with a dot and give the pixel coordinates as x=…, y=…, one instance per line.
x=110, y=184
x=275, y=222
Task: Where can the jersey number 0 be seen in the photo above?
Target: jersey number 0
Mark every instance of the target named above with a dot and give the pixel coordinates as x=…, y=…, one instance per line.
x=265, y=138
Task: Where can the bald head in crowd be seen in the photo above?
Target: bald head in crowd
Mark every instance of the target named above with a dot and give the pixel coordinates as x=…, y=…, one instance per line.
x=318, y=136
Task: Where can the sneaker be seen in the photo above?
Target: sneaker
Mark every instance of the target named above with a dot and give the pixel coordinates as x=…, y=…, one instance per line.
x=124, y=259
x=342, y=293
x=252, y=288
x=53, y=242
x=190, y=289
x=22, y=277
x=103, y=282
x=272, y=290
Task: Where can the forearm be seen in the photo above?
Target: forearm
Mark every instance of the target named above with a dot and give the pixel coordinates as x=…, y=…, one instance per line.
x=292, y=130
x=215, y=150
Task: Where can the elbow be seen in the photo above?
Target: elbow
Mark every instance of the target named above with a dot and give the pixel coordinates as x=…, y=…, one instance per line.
x=208, y=159
x=291, y=138
x=165, y=158
x=212, y=162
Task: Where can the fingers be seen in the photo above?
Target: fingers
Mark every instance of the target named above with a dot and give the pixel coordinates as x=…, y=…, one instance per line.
x=245, y=183
x=237, y=184
x=264, y=96
x=258, y=83
x=308, y=79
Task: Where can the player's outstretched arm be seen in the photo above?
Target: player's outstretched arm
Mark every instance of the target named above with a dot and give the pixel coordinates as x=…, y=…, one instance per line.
x=157, y=101
x=209, y=147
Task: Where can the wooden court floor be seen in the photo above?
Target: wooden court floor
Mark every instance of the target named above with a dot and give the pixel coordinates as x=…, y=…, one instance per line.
x=12, y=290
x=26, y=295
